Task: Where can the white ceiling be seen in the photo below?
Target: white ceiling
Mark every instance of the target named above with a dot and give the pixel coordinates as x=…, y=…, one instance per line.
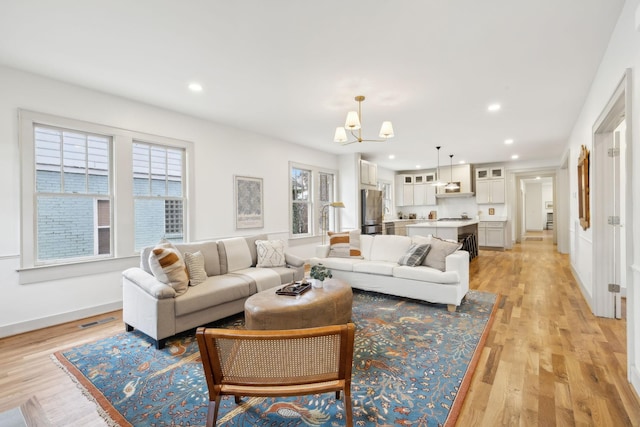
x=291, y=68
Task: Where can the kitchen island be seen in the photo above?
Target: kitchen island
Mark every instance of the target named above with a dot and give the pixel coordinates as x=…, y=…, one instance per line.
x=452, y=229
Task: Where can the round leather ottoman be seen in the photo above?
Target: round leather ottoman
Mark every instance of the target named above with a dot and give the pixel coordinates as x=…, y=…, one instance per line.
x=329, y=305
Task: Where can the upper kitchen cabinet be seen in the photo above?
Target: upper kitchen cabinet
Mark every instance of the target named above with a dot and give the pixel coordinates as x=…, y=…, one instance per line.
x=404, y=190
x=424, y=193
x=368, y=173
x=490, y=185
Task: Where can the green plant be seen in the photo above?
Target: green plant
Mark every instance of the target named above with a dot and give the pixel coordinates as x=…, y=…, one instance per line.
x=320, y=272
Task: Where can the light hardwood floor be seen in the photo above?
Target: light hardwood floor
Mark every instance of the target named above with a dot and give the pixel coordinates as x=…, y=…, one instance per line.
x=547, y=360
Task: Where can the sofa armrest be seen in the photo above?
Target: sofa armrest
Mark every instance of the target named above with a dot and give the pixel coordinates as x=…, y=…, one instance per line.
x=322, y=251
x=148, y=283
x=293, y=261
x=459, y=261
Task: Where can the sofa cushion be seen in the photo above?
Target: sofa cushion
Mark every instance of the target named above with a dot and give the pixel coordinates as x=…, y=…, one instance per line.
x=415, y=255
x=381, y=268
x=214, y=291
x=345, y=244
x=195, y=267
x=388, y=247
x=261, y=278
x=342, y=264
x=251, y=243
x=270, y=253
x=234, y=254
x=209, y=250
x=167, y=265
x=366, y=241
x=426, y=274
x=439, y=251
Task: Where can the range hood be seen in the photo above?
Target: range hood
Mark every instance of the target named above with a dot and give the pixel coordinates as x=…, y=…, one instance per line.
x=454, y=195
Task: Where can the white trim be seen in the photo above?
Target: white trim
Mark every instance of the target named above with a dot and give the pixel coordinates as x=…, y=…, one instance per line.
x=57, y=319
x=583, y=290
x=46, y=273
x=121, y=167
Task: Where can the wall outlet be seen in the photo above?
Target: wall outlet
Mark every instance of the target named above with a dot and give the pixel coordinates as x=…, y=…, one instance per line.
x=492, y=211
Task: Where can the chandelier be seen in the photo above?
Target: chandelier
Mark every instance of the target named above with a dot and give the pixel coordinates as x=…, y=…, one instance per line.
x=354, y=123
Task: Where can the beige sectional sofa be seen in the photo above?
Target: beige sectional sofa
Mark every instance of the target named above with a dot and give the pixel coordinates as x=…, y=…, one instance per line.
x=232, y=275
x=375, y=267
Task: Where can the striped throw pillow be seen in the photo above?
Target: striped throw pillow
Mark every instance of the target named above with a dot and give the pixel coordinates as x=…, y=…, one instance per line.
x=168, y=267
x=415, y=255
x=195, y=267
x=345, y=244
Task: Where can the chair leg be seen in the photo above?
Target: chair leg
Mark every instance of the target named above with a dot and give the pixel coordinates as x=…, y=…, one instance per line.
x=237, y=399
x=338, y=395
x=212, y=414
x=347, y=406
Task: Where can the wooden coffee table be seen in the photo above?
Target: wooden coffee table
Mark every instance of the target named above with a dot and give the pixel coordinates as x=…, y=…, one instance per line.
x=329, y=305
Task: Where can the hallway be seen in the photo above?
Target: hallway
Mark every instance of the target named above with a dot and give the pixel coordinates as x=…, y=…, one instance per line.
x=547, y=361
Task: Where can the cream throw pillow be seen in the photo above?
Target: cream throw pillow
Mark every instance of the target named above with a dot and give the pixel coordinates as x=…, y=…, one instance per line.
x=195, y=267
x=270, y=253
x=440, y=249
x=168, y=267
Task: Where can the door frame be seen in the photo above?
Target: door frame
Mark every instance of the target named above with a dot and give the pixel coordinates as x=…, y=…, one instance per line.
x=519, y=202
x=615, y=111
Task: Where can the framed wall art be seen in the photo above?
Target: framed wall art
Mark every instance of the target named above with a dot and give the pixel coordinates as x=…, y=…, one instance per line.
x=248, y=195
x=583, y=188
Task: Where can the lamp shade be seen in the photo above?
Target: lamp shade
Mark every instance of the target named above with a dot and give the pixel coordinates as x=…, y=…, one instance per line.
x=353, y=121
x=386, y=130
x=341, y=135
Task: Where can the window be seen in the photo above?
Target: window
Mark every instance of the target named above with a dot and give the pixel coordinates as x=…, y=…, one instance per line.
x=385, y=187
x=72, y=191
x=76, y=209
x=311, y=188
x=300, y=202
x=158, y=194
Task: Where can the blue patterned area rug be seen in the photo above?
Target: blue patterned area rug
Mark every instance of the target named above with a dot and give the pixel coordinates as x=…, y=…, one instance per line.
x=413, y=363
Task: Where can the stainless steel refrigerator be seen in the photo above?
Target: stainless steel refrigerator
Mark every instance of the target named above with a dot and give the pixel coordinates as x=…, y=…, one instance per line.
x=371, y=211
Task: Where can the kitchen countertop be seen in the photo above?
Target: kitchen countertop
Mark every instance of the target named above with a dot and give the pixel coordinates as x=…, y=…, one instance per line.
x=443, y=224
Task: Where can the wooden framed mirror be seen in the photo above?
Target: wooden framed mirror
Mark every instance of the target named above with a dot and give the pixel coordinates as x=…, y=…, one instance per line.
x=583, y=188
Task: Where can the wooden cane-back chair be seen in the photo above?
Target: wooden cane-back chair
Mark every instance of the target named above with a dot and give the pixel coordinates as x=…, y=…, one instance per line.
x=291, y=362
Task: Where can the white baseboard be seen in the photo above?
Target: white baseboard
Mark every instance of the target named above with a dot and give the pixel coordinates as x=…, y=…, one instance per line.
x=57, y=319
x=634, y=379
x=583, y=290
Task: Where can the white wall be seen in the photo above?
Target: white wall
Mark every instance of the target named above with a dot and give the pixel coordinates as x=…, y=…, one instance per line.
x=622, y=53
x=220, y=152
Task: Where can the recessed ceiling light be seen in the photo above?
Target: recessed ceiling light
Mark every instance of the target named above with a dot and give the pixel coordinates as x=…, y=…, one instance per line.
x=493, y=107
x=417, y=166
x=462, y=162
x=508, y=141
x=537, y=177
x=515, y=156
x=392, y=156
x=195, y=87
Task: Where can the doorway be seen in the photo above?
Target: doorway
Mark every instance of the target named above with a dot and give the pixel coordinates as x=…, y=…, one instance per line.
x=609, y=210
x=536, y=209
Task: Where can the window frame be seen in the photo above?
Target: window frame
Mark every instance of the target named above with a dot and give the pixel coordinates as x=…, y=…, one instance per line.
x=315, y=204
x=123, y=253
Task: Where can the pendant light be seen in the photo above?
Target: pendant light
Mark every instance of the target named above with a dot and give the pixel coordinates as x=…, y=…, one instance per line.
x=451, y=185
x=437, y=182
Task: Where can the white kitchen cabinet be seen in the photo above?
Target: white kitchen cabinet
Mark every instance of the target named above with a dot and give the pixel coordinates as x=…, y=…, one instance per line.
x=490, y=186
x=462, y=174
x=368, y=173
x=423, y=192
x=490, y=191
x=492, y=234
x=404, y=190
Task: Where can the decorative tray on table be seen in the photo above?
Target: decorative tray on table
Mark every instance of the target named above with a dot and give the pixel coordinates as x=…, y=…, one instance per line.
x=294, y=289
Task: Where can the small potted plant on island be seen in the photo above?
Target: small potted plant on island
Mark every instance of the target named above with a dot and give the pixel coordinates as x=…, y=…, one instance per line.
x=318, y=273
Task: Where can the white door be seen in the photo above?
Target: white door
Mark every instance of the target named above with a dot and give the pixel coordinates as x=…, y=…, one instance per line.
x=615, y=220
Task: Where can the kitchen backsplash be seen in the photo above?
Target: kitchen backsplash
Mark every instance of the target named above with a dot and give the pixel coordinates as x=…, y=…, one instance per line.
x=453, y=208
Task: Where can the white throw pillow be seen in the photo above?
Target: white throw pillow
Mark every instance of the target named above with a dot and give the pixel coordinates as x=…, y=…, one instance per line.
x=195, y=267
x=270, y=253
x=168, y=267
